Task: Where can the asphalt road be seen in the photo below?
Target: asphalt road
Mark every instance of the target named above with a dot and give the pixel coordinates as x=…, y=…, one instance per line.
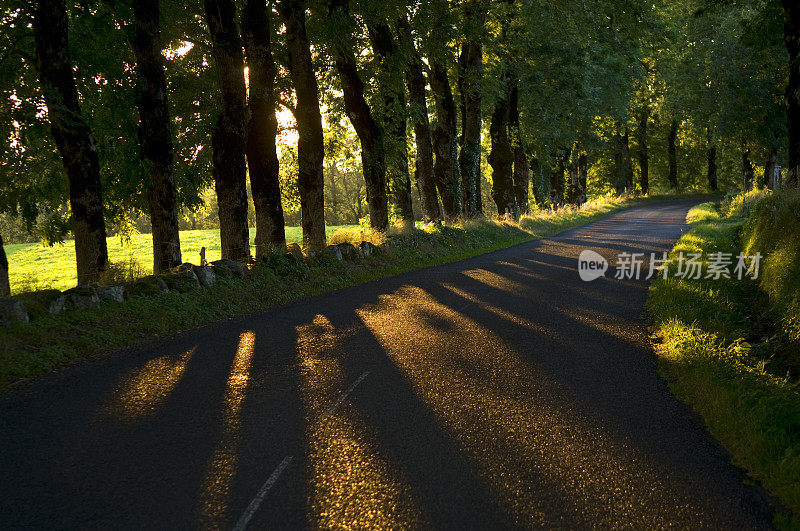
x=499, y=391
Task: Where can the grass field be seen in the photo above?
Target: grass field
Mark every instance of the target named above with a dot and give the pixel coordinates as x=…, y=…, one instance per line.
x=35, y=266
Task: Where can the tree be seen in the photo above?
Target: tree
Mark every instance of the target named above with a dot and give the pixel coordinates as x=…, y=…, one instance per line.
x=622, y=162
x=792, y=38
x=711, y=157
x=310, y=145
x=501, y=158
x=418, y=110
x=469, y=84
x=445, y=169
x=5, y=287
x=155, y=138
x=672, y=151
x=644, y=161
x=262, y=127
x=73, y=138
x=521, y=175
x=370, y=133
x=229, y=139
x=393, y=116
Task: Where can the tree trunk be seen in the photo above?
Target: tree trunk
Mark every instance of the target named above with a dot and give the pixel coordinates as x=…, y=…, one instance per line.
x=367, y=128
x=423, y=170
x=712, y=162
x=791, y=32
x=501, y=158
x=577, y=177
x=521, y=168
x=628, y=164
x=393, y=118
x=155, y=138
x=262, y=127
x=644, y=161
x=73, y=138
x=469, y=83
x=583, y=172
x=747, y=168
x=673, y=156
x=5, y=286
x=624, y=167
x=445, y=169
x=769, y=169
x=536, y=169
x=310, y=146
x=557, y=178
x=229, y=138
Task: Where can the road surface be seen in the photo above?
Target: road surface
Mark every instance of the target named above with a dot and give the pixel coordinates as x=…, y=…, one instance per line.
x=499, y=391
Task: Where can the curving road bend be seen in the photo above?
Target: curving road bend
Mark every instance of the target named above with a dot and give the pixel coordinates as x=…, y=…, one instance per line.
x=499, y=391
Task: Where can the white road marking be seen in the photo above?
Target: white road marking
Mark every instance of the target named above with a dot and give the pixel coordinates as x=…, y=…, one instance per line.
x=262, y=493
x=328, y=412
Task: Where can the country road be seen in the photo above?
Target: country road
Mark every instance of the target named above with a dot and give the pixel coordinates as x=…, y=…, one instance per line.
x=499, y=391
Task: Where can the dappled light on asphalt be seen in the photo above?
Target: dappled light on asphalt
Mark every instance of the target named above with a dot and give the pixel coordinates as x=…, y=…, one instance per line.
x=501, y=411
x=223, y=466
x=496, y=281
x=350, y=484
x=141, y=393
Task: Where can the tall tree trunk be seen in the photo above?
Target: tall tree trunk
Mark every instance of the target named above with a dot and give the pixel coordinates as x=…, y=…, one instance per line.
x=644, y=160
x=672, y=151
x=445, y=169
x=628, y=164
x=769, y=169
x=747, y=168
x=791, y=32
x=262, y=127
x=155, y=138
x=5, y=286
x=577, y=177
x=393, y=118
x=536, y=169
x=469, y=83
x=310, y=146
x=423, y=169
x=557, y=178
x=501, y=157
x=622, y=162
x=583, y=172
x=229, y=138
x=73, y=138
x=712, y=161
x=367, y=128
x=521, y=168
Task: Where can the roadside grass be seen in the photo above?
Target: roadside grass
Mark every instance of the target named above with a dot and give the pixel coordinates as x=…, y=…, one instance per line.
x=57, y=340
x=718, y=345
x=34, y=266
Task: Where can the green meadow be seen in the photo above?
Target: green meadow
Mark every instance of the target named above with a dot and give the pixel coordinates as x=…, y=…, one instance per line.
x=35, y=266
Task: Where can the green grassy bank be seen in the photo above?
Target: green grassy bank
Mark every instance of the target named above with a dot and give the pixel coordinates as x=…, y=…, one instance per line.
x=730, y=348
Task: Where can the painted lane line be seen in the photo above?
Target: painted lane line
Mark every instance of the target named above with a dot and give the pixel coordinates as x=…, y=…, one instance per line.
x=332, y=408
x=265, y=488
x=262, y=493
